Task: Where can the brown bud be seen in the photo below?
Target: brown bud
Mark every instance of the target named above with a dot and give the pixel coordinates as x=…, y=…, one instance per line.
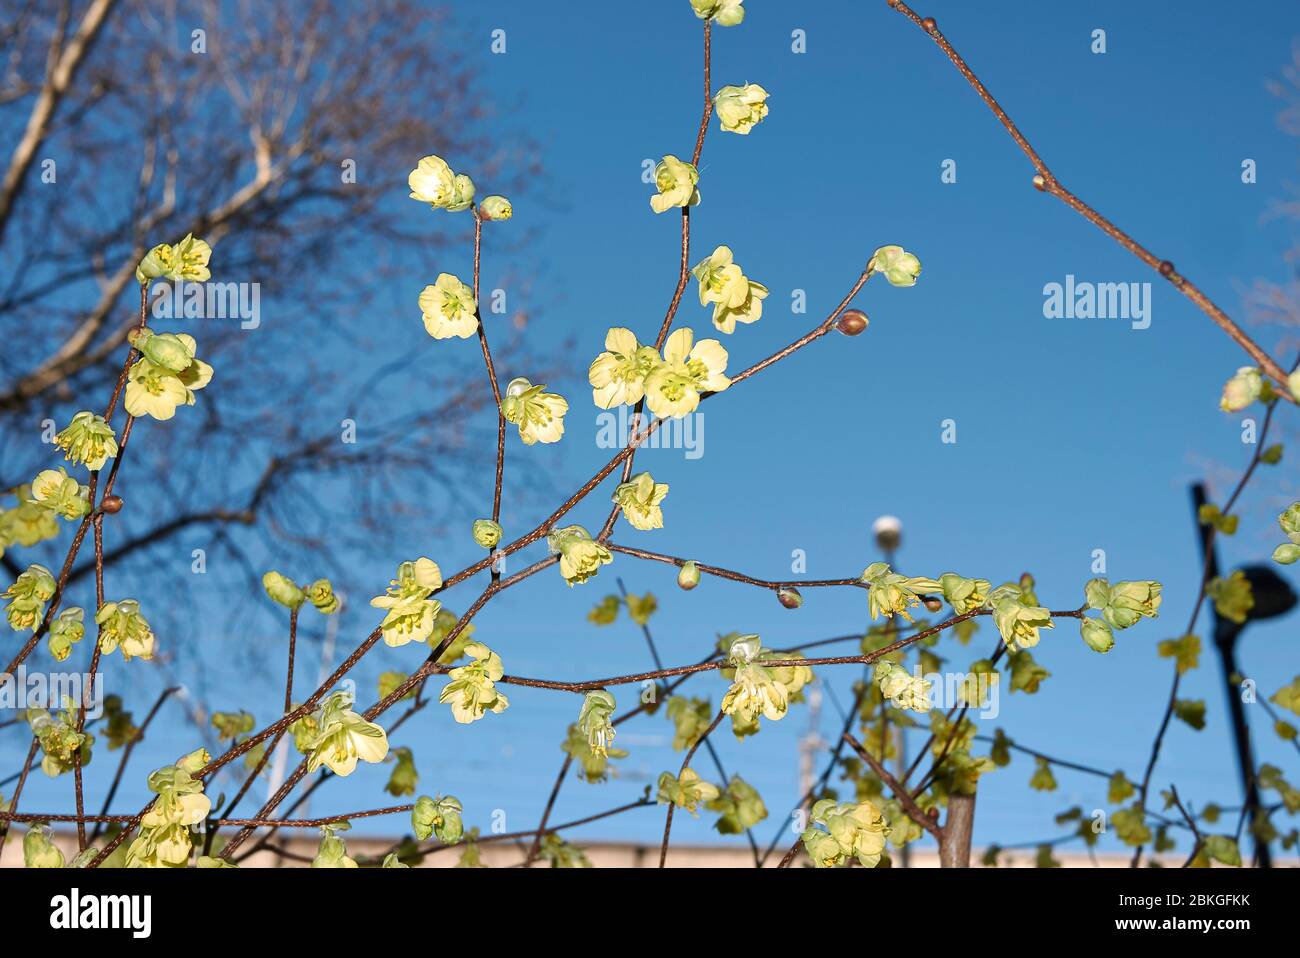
x=852, y=322
x=933, y=603
x=1039, y=182
x=111, y=504
x=789, y=597
x=933, y=813
x=1166, y=268
x=929, y=24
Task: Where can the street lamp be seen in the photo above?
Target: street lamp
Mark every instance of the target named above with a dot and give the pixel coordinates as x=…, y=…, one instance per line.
x=1273, y=597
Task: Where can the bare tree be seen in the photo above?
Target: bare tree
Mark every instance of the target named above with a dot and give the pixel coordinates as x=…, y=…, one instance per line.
x=272, y=129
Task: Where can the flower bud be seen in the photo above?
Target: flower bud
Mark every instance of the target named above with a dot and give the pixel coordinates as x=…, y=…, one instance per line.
x=689, y=575
x=495, y=207
x=487, y=533
x=111, y=504
x=321, y=594
x=281, y=589
x=462, y=194
x=852, y=322
x=932, y=603
x=166, y=350
x=1242, y=389
x=740, y=108
x=789, y=597
x=1286, y=553
x=1097, y=634
x=897, y=265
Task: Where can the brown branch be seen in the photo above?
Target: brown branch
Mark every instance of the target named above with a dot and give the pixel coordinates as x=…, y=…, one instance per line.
x=1047, y=182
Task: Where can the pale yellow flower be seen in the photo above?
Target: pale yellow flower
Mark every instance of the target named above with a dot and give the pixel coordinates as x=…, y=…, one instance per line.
x=538, y=414
x=675, y=180
x=617, y=375
x=734, y=296
x=580, y=556
x=673, y=388
x=449, y=308
x=472, y=690
x=740, y=108
x=639, y=499
x=343, y=738
x=433, y=182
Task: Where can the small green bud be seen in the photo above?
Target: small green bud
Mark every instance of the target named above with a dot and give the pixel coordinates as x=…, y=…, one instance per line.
x=281, y=589
x=321, y=594
x=1286, y=553
x=1097, y=634
x=689, y=576
x=897, y=265
x=487, y=533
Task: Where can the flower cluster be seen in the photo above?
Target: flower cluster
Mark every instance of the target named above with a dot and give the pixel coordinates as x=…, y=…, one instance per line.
x=434, y=182
x=62, y=746
x=284, y=591
x=164, y=840
x=166, y=376
x=735, y=298
x=538, y=414
x=671, y=385
x=891, y=593
x=594, y=720
x=741, y=806
x=581, y=556
x=440, y=816
x=62, y=495
x=740, y=108
x=411, y=613
x=1288, y=552
x=902, y=688
x=690, y=717
x=121, y=625
x=88, y=440
x=185, y=261
x=26, y=523
x=1121, y=605
x=594, y=764
x=27, y=597
x=848, y=831
x=67, y=629
x=758, y=690
x=686, y=790
x=639, y=499
x=472, y=690
x=333, y=851
x=725, y=13
x=1018, y=616
x=339, y=737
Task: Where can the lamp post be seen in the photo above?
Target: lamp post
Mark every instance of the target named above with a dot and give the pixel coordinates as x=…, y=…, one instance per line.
x=1273, y=597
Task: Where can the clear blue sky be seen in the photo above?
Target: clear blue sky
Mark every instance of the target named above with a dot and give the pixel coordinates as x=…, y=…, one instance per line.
x=1073, y=435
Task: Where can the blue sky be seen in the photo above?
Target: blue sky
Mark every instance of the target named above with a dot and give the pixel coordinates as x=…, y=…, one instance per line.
x=1072, y=434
